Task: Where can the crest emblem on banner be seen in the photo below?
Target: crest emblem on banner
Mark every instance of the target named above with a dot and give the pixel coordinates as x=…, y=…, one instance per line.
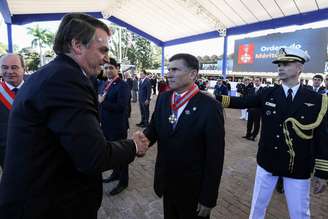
x=246, y=54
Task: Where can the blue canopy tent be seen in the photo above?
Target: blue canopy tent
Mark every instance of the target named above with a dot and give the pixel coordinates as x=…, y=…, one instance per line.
x=173, y=22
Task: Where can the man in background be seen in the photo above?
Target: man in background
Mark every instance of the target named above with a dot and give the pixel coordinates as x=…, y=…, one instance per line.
x=220, y=88
x=114, y=106
x=254, y=114
x=144, y=98
x=317, y=81
x=12, y=70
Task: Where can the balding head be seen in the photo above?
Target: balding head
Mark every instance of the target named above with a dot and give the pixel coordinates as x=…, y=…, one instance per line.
x=12, y=68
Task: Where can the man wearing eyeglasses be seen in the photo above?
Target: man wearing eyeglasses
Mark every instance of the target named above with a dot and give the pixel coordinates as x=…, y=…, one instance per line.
x=12, y=69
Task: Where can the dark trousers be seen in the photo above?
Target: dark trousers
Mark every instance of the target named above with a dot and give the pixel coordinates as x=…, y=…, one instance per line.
x=154, y=89
x=2, y=157
x=121, y=173
x=253, y=122
x=177, y=206
x=144, y=110
x=129, y=108
x=134, y=96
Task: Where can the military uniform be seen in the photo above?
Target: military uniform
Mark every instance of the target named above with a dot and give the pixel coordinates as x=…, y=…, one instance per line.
x=274, y=154
x=293, y=141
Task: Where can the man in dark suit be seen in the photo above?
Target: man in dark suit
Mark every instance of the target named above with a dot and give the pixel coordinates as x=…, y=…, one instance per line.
x=129, y=81
x=254, y=114
x=114, y=100
x=144, y=98
x=12, y=69
x=189, y=129
x=317, y=81
x=294, y=137
x=153, y=82
x=220, y=88
x=56, y=150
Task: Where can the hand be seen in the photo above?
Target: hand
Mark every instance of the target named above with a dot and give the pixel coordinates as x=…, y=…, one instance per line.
x=146, y=102
x=319, y=185
x=141, y=142
x=101, y=98
x=203, y=211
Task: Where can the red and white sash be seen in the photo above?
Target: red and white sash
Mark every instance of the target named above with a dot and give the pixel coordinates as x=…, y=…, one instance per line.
x=6, y=96
x=175, y=105
x=107, y=87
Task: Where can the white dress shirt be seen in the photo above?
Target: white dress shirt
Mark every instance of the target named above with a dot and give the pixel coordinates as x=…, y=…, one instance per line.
x=180, y=110
x=12, y=87
x=295, y=89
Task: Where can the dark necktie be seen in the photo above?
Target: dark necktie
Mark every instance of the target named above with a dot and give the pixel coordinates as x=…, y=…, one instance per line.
x=15, y=90
x=289, y=96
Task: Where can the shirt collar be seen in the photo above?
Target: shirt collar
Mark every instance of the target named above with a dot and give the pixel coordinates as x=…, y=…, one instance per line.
x=294, y=88
x=12, y=87
x=83, y=72
x=177, y=94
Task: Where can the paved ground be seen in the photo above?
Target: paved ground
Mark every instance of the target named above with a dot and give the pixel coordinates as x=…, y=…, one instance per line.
x=140, y=202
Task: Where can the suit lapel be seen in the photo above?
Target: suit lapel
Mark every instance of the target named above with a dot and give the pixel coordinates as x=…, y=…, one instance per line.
x=167, y=113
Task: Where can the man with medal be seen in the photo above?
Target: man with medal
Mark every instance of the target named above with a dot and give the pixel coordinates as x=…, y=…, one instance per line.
x=294, y=137
x=188, y=127
x=114, y=102
x=12, y=70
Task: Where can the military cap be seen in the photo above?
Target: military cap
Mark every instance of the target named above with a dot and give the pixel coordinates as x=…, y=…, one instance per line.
x=291, y=55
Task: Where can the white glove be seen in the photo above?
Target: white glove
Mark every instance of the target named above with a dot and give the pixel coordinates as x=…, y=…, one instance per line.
x=319, y=185
x=203, y=211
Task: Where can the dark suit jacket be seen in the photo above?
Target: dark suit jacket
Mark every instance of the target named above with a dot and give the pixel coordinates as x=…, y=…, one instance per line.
x=129, y=81
x=114, y=111
x=273, y=153
x=190, y=157
x=4, y=115
x=220, y=90
x=56, y=150
x=144, y=90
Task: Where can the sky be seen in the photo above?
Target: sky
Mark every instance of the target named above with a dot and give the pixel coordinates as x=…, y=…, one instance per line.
x=199, y=48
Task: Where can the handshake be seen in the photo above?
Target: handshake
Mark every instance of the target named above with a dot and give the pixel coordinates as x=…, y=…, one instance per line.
x=141, y=142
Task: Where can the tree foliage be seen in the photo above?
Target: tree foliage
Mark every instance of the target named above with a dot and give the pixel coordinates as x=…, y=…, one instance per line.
x=42, y=39
x=136, y=50
x=31, y=58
